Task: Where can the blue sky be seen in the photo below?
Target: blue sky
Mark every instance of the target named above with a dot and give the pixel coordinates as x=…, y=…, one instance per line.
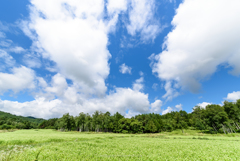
x=130, y=56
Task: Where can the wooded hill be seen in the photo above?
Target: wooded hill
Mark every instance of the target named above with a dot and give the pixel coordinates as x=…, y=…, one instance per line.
x=212, y=119
x=10, y=121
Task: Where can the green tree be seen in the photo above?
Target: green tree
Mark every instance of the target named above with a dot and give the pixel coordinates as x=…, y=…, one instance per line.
x=80, y=121
x=151, y=127
x=116, y=117
x=215, y=116
x=232, y=110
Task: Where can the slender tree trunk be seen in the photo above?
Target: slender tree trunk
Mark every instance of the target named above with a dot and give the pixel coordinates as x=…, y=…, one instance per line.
x=223, y=129
x=214, y=127
x=237, y=125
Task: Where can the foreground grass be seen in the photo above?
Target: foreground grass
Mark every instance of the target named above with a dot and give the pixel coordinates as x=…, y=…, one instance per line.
x=54, y=145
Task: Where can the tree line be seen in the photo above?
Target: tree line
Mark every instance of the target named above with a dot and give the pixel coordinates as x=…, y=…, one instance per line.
x=212, y=119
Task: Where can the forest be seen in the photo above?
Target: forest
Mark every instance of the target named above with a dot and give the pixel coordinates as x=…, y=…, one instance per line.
x=212, y=119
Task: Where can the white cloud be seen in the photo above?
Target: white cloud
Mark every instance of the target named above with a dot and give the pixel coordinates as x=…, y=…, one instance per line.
x=37, y=108
x=114, y=6
x=138, y=84
x=65, y=32
x=17, y=49
x=5, y=43
x=234, y=96
x=125, y=69
x=74, y=35
x=142, y=20
x=179, y=107
x=131, y=114
x=32, y=61
x=205, y=35
x=57, y=98
x=156, y=106
x=21, y=78
x=121, y=100
x=58, y=85
x=170, y=91
x=202, y=105
x=6, y=59
x=170, y=109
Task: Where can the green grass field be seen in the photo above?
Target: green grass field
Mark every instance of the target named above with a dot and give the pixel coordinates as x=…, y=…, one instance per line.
x=54, y=145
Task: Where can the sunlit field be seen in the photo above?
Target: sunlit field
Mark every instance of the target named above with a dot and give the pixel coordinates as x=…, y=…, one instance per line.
x=54, y=145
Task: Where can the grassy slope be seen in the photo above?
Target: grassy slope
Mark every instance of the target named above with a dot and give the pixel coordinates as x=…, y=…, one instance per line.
x=30, y=119
x=53, y=145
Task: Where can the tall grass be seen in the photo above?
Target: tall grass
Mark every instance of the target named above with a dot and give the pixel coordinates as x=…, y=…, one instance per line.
x=54, y=145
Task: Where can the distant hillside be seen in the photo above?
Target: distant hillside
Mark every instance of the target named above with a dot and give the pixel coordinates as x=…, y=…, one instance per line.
x=8, y=121
x=28, y=118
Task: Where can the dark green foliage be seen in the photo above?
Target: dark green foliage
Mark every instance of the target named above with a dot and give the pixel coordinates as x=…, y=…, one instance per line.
x=232, y=110
x=48, y=124
x=199, y=125
x=9, y=121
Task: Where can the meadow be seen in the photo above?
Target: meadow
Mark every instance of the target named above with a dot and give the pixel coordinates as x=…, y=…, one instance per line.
x=55, y=145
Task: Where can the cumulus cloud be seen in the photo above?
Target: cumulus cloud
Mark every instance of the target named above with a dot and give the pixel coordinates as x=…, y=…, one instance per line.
x=74, y=36
x=170, y=109
x=58, y=85
x=205, y=35
x=38, y=108
x=204, y=104
x=20, y=78
x=179, y=107
x=125, y=69
x=121, y=100
x=65, y=32
x=58, y=97
x=156, y=107
x=234, y=96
